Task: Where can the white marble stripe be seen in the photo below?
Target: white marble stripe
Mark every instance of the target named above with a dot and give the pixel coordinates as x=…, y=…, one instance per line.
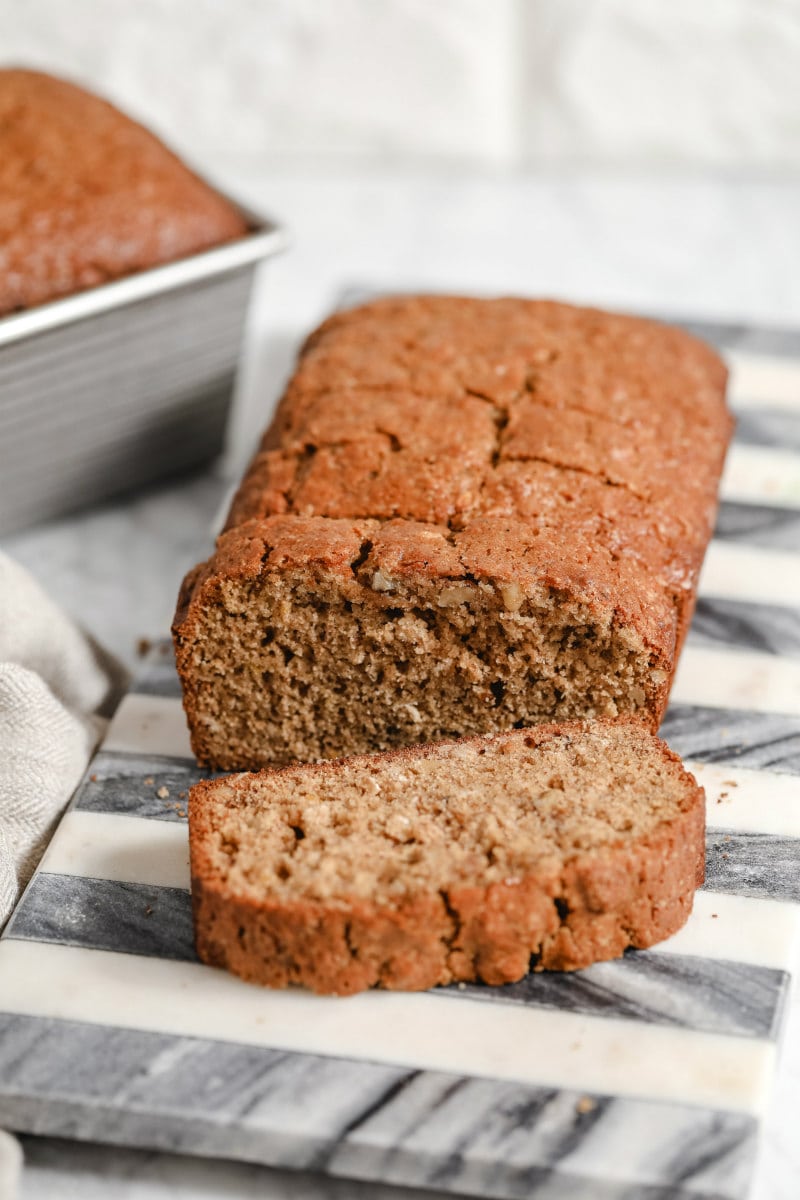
x=146, y=724
x=756, y=931
x=748, y=801
x=525, y=1044
x=743, y=929
x=115, y=846
x=735, y=572
x=737, y=679
x=760, y=475
x=763, y=381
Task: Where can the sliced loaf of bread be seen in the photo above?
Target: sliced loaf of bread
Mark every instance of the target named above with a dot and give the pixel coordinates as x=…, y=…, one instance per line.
x=467, y=516
x=547, y=849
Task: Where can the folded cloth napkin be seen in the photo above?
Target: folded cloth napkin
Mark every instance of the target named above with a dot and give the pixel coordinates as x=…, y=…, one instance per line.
x=56, y=685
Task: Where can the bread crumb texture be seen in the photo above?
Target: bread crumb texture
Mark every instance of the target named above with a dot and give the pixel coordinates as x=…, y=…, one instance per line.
x=548, y=848
x=88, y=196
x=467, y=516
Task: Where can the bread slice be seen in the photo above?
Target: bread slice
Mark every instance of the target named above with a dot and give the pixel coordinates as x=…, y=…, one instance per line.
x=549, y=848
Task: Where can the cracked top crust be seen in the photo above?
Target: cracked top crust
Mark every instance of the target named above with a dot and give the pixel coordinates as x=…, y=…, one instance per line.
x=412, y=407
x=500, y=441
x=87, y=195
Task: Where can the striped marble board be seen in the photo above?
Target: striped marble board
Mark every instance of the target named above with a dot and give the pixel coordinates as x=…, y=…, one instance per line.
x=642, y=1078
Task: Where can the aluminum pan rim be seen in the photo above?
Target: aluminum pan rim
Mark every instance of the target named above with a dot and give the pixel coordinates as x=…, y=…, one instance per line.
x=266, y=239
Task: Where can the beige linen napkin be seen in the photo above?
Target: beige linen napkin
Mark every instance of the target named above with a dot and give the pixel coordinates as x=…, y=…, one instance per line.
x=55, y=686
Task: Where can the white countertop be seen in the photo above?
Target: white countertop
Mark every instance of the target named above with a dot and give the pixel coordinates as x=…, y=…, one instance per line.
x=724, y=249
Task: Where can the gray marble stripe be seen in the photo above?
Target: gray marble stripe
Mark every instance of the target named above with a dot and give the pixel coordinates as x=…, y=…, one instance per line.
x=199, y=1176
x=359, y=1119
x=664, y=989
x=759, y=525
x=134, y=785
x=753, y=864
x=775, y=428
x=764, y=741
x=105, y=914
x=746, y=339
x=769, y=628
x=683, y=991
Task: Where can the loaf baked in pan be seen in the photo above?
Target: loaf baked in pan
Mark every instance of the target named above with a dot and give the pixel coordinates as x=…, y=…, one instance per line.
x=549, y=848
x=88, y=196
x=467, y=516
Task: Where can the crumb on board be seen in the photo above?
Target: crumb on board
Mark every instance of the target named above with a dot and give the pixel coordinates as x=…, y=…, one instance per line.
x=163, y=793
x=181, y=795
x=585, y=1105
x=714, y=916
x=93, y=778
x=149, y=781
x=143, y=646
x=148, y=910
x=729, y=783
x=722, y=796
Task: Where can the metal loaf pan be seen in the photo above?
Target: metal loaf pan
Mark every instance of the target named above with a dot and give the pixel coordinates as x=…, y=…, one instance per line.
x=125, y=384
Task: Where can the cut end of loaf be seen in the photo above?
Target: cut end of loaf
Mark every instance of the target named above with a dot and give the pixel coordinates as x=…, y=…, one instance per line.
x=307, y=661
x=467, y=516
x=481, y=859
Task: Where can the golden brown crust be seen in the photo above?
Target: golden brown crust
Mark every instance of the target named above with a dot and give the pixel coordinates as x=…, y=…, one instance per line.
x=89, y=196
x=583, y=908
x=505, y=442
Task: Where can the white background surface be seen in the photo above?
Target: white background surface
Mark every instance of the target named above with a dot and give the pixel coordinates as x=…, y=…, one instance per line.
x=639, y=82
x=715, y=248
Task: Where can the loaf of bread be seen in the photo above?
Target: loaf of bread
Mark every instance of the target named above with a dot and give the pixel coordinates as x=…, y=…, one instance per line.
x=467, y=516
x=550, y=848
x=87, y=195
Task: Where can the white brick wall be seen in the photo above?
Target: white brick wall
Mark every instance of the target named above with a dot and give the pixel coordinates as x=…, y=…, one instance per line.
x=495, y=81
x=300, y=77
x=665, y=81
